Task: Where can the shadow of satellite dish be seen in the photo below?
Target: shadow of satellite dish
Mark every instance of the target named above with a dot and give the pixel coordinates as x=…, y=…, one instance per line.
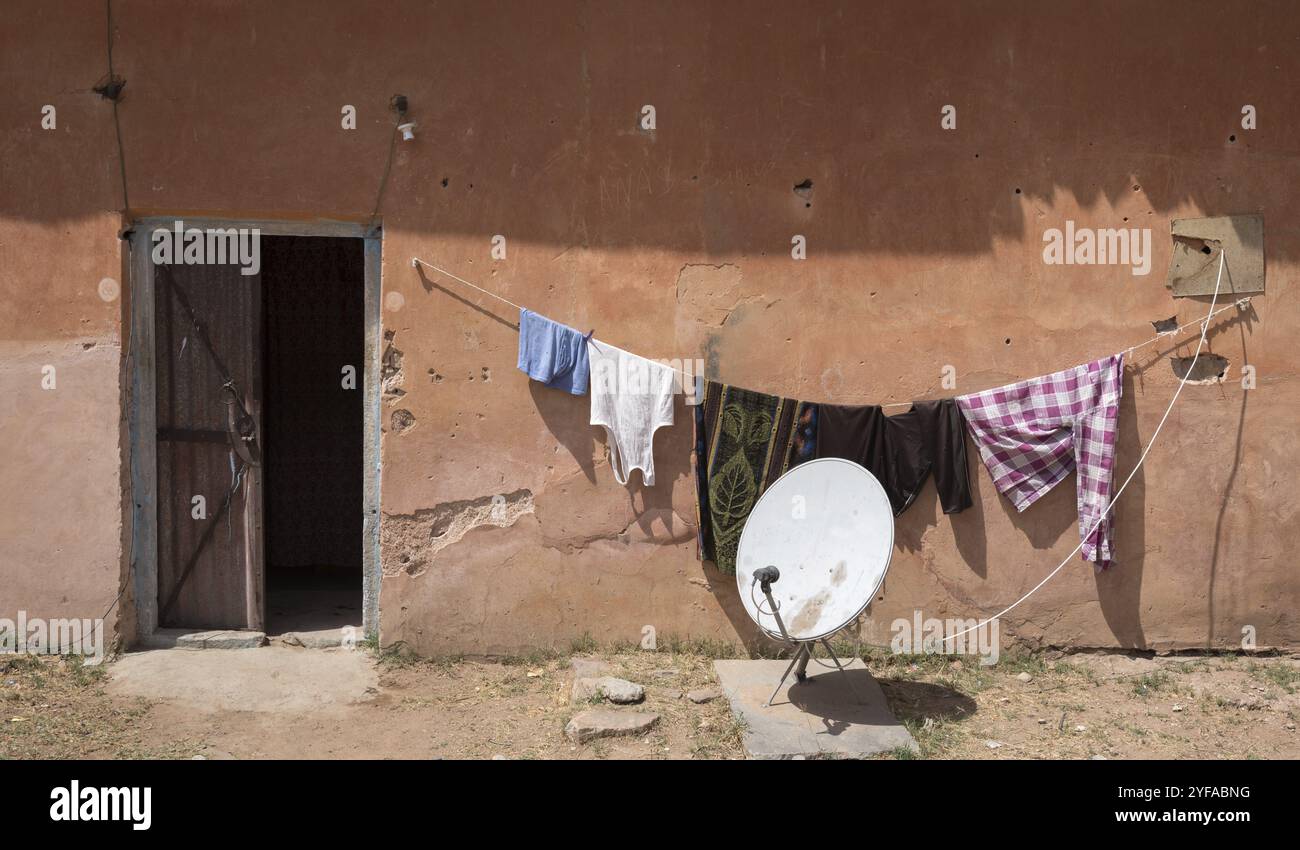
x=842, y=698
x=854, y=697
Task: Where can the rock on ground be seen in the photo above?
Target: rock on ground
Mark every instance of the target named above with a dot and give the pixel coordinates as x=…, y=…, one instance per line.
x=616, y=690
x=607, y=723
x=703, y=695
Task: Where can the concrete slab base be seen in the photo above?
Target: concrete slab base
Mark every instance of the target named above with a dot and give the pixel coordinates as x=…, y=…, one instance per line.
x=831, y=714
x=209, y=639
x=271, y=679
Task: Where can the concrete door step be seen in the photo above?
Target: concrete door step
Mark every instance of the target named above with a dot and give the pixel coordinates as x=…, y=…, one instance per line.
x=203, y=639
x=347, y=637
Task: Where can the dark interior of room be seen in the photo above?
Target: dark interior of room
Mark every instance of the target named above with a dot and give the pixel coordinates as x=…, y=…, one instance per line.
x=313, y=330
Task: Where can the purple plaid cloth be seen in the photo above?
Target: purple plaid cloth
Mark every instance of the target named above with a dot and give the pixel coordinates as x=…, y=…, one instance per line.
x=1031, y=435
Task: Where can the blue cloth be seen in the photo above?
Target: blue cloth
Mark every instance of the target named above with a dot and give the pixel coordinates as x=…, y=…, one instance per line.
x=553, y=353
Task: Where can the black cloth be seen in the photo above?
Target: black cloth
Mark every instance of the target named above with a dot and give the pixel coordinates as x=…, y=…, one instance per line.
x=902, y=450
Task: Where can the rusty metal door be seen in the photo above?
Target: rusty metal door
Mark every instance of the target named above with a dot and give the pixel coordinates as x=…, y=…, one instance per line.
x=208, y=343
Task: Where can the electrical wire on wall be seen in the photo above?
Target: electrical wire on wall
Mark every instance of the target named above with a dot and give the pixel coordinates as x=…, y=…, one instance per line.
x=398, y=105
x=111, y=87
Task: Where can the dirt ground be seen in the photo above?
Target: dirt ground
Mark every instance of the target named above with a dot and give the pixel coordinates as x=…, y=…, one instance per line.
x=291, y=702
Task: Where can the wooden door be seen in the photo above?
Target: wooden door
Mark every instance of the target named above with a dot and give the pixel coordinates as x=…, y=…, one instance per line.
x=208, y=347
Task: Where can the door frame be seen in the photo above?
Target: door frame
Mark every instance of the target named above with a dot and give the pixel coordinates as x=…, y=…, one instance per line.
x=142, y=424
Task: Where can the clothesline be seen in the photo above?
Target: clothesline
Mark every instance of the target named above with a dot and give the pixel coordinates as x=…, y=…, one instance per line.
x=1204, y=325
x=1110, y=504
x=417, y=261
x=1240, y=304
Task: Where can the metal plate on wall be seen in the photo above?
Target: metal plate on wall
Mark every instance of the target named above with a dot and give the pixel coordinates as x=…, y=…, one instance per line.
x=1198, y=242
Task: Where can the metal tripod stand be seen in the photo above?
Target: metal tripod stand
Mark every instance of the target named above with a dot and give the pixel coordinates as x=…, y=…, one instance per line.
x=803, y=649
x=800, y=664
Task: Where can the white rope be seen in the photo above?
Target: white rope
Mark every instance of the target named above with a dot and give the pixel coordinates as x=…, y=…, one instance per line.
x=1205, y=325
x=1239, y=304
x=417, y=260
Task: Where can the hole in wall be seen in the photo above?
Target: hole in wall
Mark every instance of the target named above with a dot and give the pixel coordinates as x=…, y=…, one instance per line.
x=110, y=87
x=1164, y=326
x=402, y=420
x=1210, y=369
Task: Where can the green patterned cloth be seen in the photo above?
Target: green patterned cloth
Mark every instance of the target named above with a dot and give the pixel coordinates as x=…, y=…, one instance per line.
x=744, y=441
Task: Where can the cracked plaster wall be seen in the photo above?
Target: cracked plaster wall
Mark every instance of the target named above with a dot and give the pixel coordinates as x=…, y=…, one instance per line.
x=924, y=251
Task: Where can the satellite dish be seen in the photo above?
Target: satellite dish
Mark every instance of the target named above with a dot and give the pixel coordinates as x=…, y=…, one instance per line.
x=814, y=552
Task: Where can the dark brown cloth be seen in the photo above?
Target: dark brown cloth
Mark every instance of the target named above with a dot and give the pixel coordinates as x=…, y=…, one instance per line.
x=744, y=441
x=902, y=450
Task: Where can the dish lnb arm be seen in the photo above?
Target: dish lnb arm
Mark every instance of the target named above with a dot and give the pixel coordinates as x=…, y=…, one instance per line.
x=765, y=576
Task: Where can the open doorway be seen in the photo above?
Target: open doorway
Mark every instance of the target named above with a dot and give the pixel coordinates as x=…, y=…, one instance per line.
x=254, y=431
x=313, y=344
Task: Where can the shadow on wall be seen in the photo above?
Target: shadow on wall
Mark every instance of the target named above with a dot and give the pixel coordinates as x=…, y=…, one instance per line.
x=1238, y=450
x=1119, y=589
x=652, y=508
x=673, y=447
x=1054, y=517
x=494, y=314
x=568, y=418
x=727, y=595
x=763, y=125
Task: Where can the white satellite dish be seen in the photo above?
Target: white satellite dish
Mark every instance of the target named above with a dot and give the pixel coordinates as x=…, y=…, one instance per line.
x=827, y=529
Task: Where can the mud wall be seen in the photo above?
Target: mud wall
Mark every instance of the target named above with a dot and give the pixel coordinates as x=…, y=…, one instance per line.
x=924, y=250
